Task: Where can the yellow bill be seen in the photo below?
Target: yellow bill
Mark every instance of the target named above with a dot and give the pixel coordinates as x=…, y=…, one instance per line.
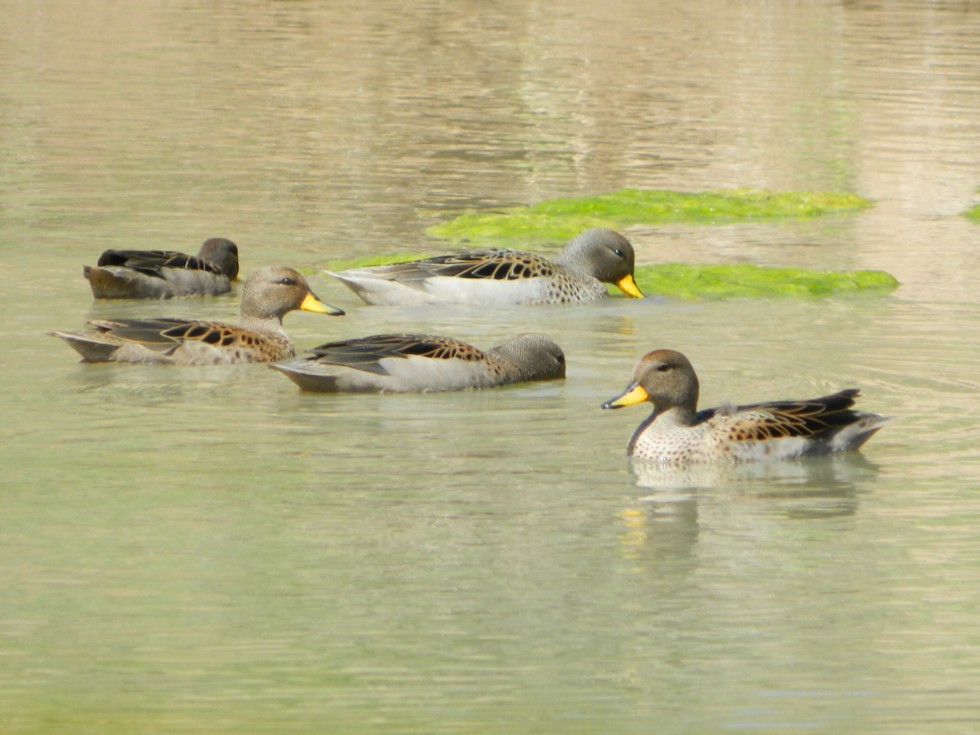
x=634, y=394
x=312, y=303
x=628, y=286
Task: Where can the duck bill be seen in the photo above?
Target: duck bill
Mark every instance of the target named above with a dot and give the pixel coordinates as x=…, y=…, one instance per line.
x=630, y=397
x=312, y=303
x=628, y=286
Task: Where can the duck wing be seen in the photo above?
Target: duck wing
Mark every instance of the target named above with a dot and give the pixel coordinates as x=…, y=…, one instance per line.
x=366, y=353
x=814, y=418
x=151, y=262
x=499, y=265
x=165, y=335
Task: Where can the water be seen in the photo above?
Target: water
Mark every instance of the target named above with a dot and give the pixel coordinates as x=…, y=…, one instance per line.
x=208, y=550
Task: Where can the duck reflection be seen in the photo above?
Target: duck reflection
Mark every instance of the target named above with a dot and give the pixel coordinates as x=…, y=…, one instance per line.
x=806, y=488
x=667, y=523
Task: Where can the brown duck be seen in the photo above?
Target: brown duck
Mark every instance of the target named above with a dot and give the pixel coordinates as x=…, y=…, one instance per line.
x=268, y=295
x=676, y=432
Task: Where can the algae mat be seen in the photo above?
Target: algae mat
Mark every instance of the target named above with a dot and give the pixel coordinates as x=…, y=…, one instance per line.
x=562, y=219
x=693, y=282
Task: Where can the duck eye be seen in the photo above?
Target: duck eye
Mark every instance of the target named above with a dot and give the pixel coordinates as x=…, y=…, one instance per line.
x=618, y=252
x=663, y=367
x=287, y=281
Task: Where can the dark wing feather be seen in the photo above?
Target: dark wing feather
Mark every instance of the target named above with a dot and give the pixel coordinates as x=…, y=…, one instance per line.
x=163, y=334
x=816, y=417
x=704, y=415
x=149, y=262
x=365, y=353
x=498, y=265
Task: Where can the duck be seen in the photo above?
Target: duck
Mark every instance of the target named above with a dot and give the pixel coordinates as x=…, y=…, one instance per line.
x=164, y=274
x=268, y=295
x=502, y=277
x=399, y=363
x=677, y=433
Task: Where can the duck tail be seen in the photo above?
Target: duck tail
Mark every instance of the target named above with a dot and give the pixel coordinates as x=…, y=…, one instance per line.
x=854, y=435
x=307, y=380
x=89, y=347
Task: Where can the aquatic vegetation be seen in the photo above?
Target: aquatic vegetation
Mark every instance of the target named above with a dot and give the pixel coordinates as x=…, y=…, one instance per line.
x=683, y=281
x=698, y=281
x=973, y=213
x=560, y=220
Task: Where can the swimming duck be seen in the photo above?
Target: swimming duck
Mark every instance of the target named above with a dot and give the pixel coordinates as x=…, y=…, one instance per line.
x=422, y=363
x=676, y=432
x=267, y=296
x=497, y=277
x=164, y=274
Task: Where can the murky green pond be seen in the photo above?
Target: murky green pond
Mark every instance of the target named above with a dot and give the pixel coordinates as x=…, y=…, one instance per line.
x=210, y=551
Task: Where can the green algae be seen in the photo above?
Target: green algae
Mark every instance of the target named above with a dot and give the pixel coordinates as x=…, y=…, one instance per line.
x=562, y=219
x=699, y=282
x=973, y=213
x=703, y=282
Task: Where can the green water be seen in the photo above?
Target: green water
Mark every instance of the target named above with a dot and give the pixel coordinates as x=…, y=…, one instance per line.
x=211, y=551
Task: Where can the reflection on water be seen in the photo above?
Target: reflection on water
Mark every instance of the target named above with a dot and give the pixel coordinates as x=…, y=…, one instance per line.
x=812, y=479
x=209, y=550
x=667, y=523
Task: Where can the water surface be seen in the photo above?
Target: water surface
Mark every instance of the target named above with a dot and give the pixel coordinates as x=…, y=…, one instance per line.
x=208, y=550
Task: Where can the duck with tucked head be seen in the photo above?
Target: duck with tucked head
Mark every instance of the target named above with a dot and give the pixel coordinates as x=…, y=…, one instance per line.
x=268, y=295
x=398, y=363
x=164, y=274
x=676, y=432
x=501, y=277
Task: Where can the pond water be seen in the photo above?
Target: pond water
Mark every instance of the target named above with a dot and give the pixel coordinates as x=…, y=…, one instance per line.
x=208, y=550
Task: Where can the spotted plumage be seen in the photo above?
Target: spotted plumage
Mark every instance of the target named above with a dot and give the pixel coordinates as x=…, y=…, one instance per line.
x=497, y=277
x=422, y=363
x=676, y=432
x=164, y=274
x=268, y=295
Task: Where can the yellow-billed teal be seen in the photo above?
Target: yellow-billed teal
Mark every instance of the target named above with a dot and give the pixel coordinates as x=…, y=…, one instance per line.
x=676, y=432
x=267, y=296
x=499, y=277
x=164, y=274
x=423, y=363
